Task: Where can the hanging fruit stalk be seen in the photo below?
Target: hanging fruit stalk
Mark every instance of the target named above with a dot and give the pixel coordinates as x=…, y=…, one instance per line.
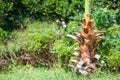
x=88, y=40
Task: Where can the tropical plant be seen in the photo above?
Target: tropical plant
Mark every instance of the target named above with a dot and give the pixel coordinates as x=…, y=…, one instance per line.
x=88, y=40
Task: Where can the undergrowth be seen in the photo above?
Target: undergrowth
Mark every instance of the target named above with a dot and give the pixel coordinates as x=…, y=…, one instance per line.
x=43, y=43
x=42, y=73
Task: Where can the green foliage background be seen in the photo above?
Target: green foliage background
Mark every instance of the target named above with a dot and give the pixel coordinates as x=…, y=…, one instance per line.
x=14, y=13
x=17, y=36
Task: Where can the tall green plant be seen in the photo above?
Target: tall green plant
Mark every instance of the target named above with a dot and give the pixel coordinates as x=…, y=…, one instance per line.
x=87, y=6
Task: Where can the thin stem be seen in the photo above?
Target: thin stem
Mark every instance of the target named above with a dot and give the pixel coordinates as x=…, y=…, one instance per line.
x=87, y=6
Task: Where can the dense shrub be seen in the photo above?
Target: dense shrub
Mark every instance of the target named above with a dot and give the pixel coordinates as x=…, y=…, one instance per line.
x=3, y=39
x=113, y=5
x=3, y=50
x=64, y=49
x=38, y=44
x=110, y=48
x=33, y=46
x=73, y=26
x=3, y=35
x=117, y=12
x=104, y=18
x=15, y=14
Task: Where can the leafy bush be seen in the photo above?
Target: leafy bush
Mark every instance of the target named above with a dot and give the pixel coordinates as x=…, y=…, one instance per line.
x=113, y=60
x=112, y=5
x=14, y=14
x=64, y=48
x=3, y=35
x=33, y=45
x=104, y=18
x=117, y=11
x=110, y=49
x=36, y=42
x=3, y=50
x=36, y=45
x=72, y=26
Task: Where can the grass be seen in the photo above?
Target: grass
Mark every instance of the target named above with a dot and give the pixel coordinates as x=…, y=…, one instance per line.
x=30, y=73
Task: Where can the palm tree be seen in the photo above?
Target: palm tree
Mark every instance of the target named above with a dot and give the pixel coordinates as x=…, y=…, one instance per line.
x=88, y=40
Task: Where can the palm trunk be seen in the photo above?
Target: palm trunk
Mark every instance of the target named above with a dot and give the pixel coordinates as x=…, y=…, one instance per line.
x=88, y=40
